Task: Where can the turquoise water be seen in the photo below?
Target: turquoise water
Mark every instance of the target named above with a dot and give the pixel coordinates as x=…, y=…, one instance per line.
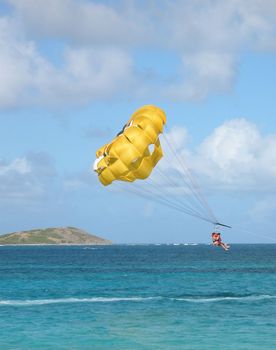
x=138, y=297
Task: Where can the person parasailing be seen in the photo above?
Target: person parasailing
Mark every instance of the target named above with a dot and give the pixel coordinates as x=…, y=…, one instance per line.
x=217, y=242
x=134, y=153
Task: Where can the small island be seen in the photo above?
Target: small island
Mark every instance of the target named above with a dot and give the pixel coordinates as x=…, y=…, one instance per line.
x=52, y=236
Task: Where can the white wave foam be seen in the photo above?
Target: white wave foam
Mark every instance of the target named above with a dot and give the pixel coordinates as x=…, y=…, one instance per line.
x=29, y=302
x=71, y=300
x=218, y=299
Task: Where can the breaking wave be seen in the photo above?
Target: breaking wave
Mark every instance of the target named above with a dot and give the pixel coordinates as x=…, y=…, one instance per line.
x=29, y=302
x=190, y=299
x=245, y=298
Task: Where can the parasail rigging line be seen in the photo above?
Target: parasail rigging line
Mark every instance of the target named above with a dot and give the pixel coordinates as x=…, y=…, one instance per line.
x=175, y=201
x=147, y=194
x=190, y=197
x=171, y=183
x=193, y=186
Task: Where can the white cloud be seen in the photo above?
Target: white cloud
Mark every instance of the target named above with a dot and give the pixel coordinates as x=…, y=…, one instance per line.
x=101, y=40
x=82, y=22
x=235, y=157
x=181, y=25
x=18, y=64
x=26, y=178
x=204, y=72
x=19, y=165
x=87, y=74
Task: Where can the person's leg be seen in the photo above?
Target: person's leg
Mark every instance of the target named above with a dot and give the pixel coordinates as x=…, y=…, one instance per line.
x=224, y=246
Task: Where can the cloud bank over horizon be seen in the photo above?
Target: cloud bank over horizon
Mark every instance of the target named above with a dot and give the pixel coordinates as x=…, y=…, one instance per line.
x=99, y=57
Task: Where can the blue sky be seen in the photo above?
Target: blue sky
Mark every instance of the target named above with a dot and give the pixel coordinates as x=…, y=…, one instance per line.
x=73, y=72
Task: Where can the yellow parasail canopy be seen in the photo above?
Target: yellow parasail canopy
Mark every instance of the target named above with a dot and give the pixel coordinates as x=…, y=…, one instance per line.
x=135, y=151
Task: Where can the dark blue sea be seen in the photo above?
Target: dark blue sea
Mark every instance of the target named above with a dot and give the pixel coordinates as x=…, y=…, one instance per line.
x=138, y=297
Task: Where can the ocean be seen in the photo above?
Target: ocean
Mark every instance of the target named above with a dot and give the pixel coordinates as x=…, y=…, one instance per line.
x=138, y=297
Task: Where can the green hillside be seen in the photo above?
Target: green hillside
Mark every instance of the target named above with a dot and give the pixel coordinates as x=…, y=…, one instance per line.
x=62, y=235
